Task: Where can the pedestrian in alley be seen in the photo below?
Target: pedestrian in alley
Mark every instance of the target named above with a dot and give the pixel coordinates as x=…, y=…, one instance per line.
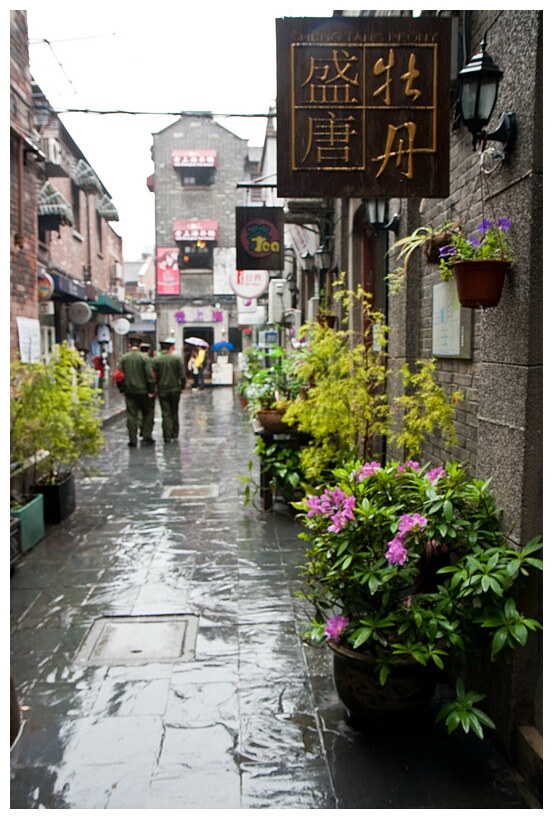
x=196, y=366
x=135, y=379
x=170, y=378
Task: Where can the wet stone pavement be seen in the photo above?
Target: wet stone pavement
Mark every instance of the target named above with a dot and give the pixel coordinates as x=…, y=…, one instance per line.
x=156, y=653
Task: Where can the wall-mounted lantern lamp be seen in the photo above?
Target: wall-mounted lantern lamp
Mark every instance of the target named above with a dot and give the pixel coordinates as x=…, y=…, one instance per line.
x=376, y=208
x=323, y=257
x=478, y=86
x=306, y=261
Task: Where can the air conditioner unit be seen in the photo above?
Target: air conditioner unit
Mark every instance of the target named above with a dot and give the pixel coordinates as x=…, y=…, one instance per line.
x=312, y=308
x=292, y=318
x=53, y=151
x=118, y=293
x=116, y=271
x=280, y=300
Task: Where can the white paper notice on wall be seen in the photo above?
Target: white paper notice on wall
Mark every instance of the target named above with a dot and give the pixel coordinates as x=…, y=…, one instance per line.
x=28, y=330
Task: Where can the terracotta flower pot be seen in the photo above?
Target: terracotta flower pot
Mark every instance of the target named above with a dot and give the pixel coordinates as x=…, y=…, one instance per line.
x=480, y=282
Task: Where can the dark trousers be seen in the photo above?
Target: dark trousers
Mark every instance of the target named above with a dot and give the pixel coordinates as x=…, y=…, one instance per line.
x=140, y=416
x=169, y=405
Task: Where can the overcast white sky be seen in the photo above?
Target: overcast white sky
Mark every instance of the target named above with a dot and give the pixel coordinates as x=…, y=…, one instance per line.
x=158, y=57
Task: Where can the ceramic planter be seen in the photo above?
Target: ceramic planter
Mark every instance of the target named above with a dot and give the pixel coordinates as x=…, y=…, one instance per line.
x=59, y=499
x=271, y=420
x=31, y=522
x=406, y=695
x=480, y=282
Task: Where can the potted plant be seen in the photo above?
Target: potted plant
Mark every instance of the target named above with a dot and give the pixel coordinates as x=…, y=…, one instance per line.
x=55, y=421
x=408, y=571
x=270, y=391
x=478, y=263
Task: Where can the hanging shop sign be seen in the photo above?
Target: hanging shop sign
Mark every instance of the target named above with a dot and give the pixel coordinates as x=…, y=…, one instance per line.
x=249, y=284
x=80, y=312
x=167, y=271
x=363, y=106
x=45, y=286
x=121, y=326
x=259, y=238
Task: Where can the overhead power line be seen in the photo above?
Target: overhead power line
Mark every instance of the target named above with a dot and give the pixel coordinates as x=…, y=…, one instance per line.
x=207, y=114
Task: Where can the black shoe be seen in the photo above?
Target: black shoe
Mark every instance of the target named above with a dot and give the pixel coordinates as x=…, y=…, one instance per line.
x=147, y=441
x=131, y=444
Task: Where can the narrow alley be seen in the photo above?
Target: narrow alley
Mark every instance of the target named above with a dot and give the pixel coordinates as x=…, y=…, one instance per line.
x=156, y=652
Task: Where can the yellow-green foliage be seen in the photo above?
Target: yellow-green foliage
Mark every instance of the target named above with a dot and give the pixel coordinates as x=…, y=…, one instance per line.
x=347, y=403
x=54, y=408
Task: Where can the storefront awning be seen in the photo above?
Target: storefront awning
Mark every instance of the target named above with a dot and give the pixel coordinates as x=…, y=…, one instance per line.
x=52, y=203
x=107, y=209
x=194, y=158
x=107, y=304
x=85, y=178
x=67, y=289
x=193, y=230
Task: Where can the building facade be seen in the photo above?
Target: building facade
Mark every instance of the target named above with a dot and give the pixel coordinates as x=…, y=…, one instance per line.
x=197, y=167
x=498, y=367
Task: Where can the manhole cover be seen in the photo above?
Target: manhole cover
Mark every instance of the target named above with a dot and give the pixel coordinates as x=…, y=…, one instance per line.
x=210, y=490
x=139, y=640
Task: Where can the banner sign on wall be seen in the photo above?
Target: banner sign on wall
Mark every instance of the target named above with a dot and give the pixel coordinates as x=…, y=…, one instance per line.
x=363, y=106
x=167, y=271
x=249, y=284
x=259, y=238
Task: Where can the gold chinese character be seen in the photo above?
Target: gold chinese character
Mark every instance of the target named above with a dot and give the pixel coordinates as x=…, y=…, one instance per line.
x=411, y=129
x=410, y=76
x=333, y=87
x=380, y=68
x=331, y=137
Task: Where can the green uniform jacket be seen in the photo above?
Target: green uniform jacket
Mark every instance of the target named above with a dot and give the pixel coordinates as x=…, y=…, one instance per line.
x=169, y=373
x=137, y=368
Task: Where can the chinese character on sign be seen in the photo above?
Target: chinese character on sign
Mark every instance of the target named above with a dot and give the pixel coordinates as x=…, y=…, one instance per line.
x=362, y=106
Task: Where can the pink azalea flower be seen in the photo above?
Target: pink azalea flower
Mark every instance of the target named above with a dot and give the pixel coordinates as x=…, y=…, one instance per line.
x=335, y=627
x=397, y=553
x=413, y=464
x=367, y=469
x=434, y=474
x=410, y=522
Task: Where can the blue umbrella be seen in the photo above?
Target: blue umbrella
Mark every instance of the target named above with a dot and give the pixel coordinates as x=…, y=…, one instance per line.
x=220, y=344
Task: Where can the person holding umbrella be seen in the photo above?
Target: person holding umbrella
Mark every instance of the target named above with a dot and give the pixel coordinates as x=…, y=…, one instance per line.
x=196, y=363
x=171, y=380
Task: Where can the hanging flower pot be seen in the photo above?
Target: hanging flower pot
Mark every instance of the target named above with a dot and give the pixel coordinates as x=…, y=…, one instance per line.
x=480, y=281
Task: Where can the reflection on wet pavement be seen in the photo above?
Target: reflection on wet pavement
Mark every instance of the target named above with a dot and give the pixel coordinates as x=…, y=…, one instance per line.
x=248, y=718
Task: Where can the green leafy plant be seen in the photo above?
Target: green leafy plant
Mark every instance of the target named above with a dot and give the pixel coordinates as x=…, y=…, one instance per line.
x=347, y=403
x=281, y=465
x=490, y=243
x=54, y=415
x=275, y=386
x=448, y=244
x=404, y=561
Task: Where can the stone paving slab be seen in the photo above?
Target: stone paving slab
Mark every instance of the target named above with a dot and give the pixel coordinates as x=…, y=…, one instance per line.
x=250, y=719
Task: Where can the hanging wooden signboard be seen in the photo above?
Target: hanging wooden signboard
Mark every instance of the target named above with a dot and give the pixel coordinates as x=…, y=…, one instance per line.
x=363, y=106
x=259, y=238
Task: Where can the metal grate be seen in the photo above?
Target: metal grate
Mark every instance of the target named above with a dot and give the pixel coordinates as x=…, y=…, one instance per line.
x=139, y=640
x=195, y=492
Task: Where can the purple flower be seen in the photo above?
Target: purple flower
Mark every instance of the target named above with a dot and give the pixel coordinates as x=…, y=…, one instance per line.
x=335, y=627
x=446, y=251
x=474, y=241
x=503, y=224
x=397, y=553
x=434, y=474
x=484, y=226
x=410, y=522
x=314, y=506
x=333, y=504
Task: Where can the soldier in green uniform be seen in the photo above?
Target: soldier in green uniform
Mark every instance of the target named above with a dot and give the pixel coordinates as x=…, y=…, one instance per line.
x=138, y=385
x=170, y=376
